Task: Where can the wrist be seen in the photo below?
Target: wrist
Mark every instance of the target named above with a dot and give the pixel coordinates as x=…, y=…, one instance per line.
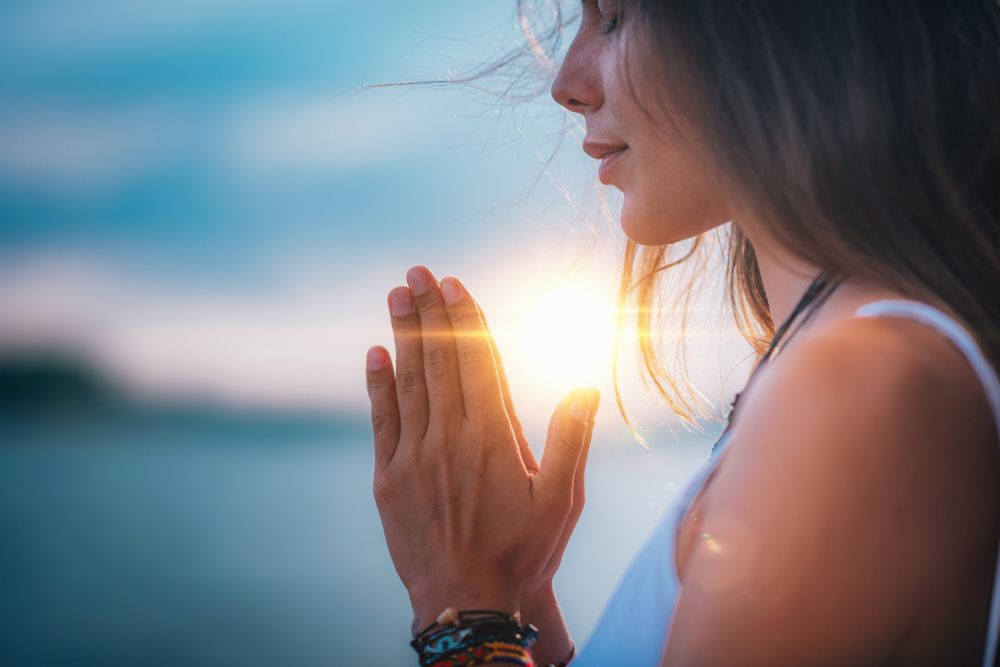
x=428, y=604
x=537, y=598
x=540, y=607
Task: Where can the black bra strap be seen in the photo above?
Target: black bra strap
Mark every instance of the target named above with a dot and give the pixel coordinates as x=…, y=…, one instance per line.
x=817, y=293
x=820, y=288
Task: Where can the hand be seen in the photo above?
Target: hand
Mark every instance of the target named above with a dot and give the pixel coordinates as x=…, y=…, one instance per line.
x=468, y=521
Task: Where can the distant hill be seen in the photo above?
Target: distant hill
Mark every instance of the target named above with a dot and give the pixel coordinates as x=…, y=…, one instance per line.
x=53, y=383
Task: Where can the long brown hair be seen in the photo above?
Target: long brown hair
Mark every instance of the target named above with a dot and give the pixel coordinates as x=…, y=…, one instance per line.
x=864, y=132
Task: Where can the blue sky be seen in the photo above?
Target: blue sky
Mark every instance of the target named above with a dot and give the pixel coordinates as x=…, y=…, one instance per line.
x=203, y=198
x=211, y=130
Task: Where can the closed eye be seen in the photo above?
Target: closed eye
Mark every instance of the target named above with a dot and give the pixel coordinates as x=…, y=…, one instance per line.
x=609, y=24
x=607, y=18
x=610, y=13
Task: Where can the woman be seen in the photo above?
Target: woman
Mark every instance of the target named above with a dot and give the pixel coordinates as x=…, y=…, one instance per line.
x=850, y=514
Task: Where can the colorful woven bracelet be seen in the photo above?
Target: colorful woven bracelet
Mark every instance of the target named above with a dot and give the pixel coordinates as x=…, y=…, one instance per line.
x=493, y=653
x=474, y=637
x=488, y=653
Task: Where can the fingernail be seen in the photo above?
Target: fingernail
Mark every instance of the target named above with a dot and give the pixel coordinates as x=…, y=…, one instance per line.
x=451, y=291
x=579, y=409
x=400, y=302
x=376, y=359
x=419, y=279
x=595, y=400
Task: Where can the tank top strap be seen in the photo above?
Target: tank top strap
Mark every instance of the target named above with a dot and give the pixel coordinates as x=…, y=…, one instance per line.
x=987, y=375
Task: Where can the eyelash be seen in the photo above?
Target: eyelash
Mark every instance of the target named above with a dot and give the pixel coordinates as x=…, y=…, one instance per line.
x=610, y=25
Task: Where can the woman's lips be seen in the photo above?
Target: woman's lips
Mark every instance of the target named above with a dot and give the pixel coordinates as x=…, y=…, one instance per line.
x=607, y=163
x=608, y=154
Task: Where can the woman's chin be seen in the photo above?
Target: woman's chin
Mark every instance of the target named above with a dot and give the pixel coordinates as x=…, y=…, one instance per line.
x=644, y=227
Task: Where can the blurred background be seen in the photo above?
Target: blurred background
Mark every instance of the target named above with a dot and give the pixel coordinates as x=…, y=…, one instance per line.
x=202, y=208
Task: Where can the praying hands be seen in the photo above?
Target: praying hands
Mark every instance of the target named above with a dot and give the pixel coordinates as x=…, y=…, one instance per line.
x=470, y=517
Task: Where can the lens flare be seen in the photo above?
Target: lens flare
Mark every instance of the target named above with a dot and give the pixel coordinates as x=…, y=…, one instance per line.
x=566, y=335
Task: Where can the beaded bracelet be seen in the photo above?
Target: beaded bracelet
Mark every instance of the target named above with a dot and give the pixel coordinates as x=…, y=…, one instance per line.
x=474, y=637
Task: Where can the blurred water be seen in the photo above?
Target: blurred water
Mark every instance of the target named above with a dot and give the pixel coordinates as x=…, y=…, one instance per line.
x=202, y=545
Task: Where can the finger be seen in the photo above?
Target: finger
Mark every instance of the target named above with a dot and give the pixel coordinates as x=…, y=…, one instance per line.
x=444, y=392
x=579, y=498
x=580, y=480
x=564, y=448
x=477, y=371
x=559, y=415
x=385, y=411
x=579, y=492
x=555, y=423
x=411, y=389
x=527, y=456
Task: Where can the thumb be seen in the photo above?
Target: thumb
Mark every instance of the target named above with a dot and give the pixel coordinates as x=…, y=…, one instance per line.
x=568, y=434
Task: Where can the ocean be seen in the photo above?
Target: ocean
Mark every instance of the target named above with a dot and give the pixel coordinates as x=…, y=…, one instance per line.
x=221, y=541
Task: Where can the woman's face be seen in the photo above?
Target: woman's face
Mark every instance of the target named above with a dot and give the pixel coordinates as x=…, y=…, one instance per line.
x=670, y=194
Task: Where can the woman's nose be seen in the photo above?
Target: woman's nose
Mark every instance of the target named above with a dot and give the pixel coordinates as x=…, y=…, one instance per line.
x=577, y=85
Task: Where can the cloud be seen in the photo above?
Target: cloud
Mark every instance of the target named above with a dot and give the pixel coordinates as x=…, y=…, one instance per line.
x=64, y=30
x=85, y=150
x=318, y=133
x=79, y=151
x=88, y=151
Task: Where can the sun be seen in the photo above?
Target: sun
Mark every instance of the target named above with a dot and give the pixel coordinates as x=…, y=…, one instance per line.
x=564, y=336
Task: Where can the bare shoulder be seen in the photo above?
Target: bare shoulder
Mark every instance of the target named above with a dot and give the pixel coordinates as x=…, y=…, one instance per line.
x=889, y=381
x=831, y=520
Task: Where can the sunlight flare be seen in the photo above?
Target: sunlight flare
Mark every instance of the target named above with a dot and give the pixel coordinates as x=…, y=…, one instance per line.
x=564, y=338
